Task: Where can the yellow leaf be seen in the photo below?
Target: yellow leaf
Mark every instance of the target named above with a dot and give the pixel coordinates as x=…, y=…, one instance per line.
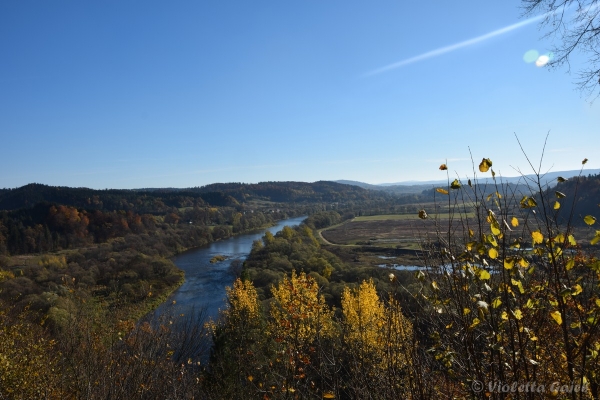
x=491, y=240
x=523, y=262
x=570, y=264
x=528, y=202
x=476, y=322
x=509, y=263
x=455, y=184
x=493, y=253
x=514, y=222
x=504, y=315
x=537, y=237
x=434, y=285
x=557, y=252
x=530, y=303
x=572, y=241
x=471, y=233
x=485, y=165
x=556, y=205
x=596, y=238
x=560, y=195
x=556, y=316
x=466, y=311
x=328, y=395
x=560, y=238
x=483, y=274
x=590, y=220
x=518, y=314
x=519, y=285
x=422, y=214
x=575, y=290
x=495, y=227
x=496, y=302
x=443, y=167
x=442, y=191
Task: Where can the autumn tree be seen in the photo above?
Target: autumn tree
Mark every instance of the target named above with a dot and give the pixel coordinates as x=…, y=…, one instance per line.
x=240, y=343
x=378, y=339
x=300, y=324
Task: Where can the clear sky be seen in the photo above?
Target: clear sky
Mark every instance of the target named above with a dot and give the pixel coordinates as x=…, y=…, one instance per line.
x=131, y=93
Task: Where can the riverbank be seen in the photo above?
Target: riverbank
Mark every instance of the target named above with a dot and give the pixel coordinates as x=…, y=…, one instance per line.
x=205, y=282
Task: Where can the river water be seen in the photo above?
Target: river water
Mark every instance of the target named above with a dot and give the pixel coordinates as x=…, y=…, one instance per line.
x=204, y=286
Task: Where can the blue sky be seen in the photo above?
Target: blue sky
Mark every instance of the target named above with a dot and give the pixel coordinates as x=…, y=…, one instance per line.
x=129, y=94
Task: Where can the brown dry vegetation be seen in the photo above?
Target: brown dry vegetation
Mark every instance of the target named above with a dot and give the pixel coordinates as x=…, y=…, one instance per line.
x=387, y=231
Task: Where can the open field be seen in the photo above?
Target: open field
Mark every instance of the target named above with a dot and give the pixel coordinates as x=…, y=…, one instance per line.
x=383, y=232
x=411, y=216
x=403, y=231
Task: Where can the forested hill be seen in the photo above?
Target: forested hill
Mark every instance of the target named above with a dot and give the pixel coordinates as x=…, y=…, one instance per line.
x=292, y=191
x=110, y=200
x=159, y=200
x=587, y=192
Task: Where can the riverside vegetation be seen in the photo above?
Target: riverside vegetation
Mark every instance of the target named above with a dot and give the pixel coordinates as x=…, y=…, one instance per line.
x=508, y=292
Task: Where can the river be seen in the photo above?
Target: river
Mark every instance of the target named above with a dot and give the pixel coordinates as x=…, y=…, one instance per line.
x=204, y=286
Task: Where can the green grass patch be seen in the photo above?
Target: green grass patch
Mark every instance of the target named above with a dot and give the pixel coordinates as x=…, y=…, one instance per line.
x=405, y=217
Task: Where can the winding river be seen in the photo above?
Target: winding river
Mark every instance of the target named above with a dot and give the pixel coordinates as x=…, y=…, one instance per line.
x=204, y=286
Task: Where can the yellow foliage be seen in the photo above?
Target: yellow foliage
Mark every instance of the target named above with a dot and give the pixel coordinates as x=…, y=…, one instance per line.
x=243, y=301
x=299, y=314
x=364, y=316
x=28, y=366
x=5, y=275
x=376, y=334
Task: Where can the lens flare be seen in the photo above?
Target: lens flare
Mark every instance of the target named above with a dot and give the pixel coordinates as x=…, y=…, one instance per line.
x=531, y=56
x=542, y=60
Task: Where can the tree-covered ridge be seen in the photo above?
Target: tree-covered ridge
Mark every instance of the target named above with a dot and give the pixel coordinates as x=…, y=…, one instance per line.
x=583, y=192
x=141, y=201
x=159, y=200
x=294, y=191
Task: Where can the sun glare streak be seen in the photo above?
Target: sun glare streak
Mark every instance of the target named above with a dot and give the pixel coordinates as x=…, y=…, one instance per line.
x=456, y=46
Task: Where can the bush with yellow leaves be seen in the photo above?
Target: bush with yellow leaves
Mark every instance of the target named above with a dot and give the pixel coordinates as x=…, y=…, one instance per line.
x=510, y=295
x=28, y=360
x=378, y=343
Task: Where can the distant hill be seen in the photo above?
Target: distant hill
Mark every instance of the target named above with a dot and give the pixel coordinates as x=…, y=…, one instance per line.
x=146, y=201
x=151, y=200
x=291, y=191
x=408, y=187
x=587, y=191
